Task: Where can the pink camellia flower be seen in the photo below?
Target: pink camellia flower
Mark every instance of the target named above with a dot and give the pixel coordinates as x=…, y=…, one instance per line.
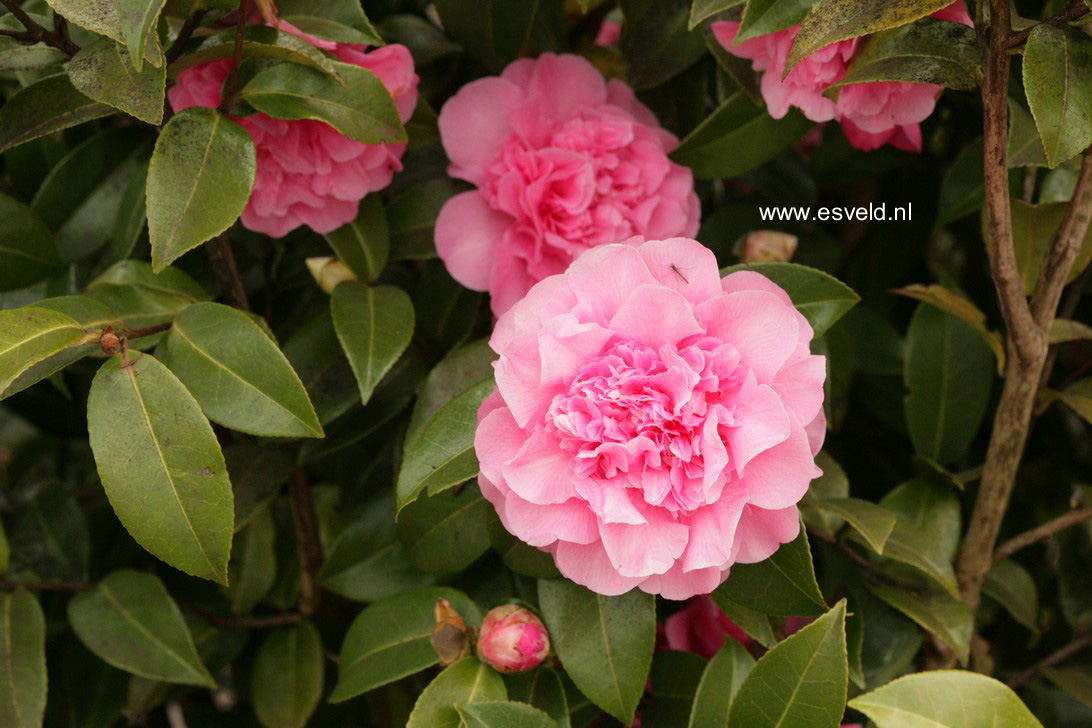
x=652, y=424
x=512, y=639
x=872, y=114
x=701, y=628
x=610, y=32
x=308, y=172
x=563, y=161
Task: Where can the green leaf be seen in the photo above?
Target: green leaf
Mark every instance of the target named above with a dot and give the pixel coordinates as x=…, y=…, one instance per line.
x=657, y=43
x=702, y=9
x=503, y=714
x=948, y=373
x=445, y=532
x=367, y=562
x=466, y=682
x=22, y=661
x=237, y=373
x=253, y=566
x=35, y=343
x=927, y=51
x=259, y=41
x=1032, y=228
x=88, y=312
x=830, y=21
x=1074, y=680
x=1025, y=147
x=543, y=689
x=1077, y=396
x=875, y=523
x=442, y=454
x=138, y=21
x=5, y=551
x=833, y=483
x=932, y=508
x=316, y=354
x=104, y=72
x=457, y=372
x=390, y=639
x=44, y=107
x=719, y=685
x=673, y=680
x=1064, y=330
x=131, y=622
x=287, y=678
x=936, y=611
x=782, y=585
x=142, y=298
x=49, y=535
x=1058, y=83
x=447, y=312
x=962, y=309
x=754, y=623
x=1011, y=586
x=801, y=681
x=736, y=138
x=605, y=643
x=374, y=326
x=256, y=472
x=365, y=243
x=762, y=17
x=963, y=187
x=105, y=18
x=87, y=691
x=161, y=465
x=28, y=252
x=497, y=32
x=199, y=181
x=819, y=296
x=343, y=21
x=16, y=55
x=359, y=106
x=518, y=556
x=945, y=699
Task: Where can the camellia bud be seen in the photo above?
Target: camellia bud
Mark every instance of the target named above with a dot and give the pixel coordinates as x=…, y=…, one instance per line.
x=512, y=639
x=761, y=246
x=109, y=341
x=328, y=272
x=449, y=636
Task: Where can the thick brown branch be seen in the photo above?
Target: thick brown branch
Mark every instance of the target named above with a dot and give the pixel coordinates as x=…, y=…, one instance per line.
x=36, y=33
x=227, y=275
x=1051, y=660
x=1048, y=529
x=1064, y=246
x=45, y=585
x=1076, y=11
x=147, y=330
x=308, y=541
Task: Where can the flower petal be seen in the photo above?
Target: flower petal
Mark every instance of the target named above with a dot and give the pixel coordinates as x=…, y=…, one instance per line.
x=467, y=234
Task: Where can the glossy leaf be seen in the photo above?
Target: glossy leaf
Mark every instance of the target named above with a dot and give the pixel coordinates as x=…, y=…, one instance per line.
x=28, y=252
x=1077, y=396
x=390, y=639
x=49, y=536
x=518, y=556
x=832, y=484
x=1064, y=330
x=130, y=621
x=339, y=20
x=1074, y=680
x=445, y=532
x=736, y=138
x=237, y=373
x=442, y=454
x=368, y=563
x=1010, y=585
x=316, y=354
x=945, y=699
x=22, y=661
x=1025, y=145
x=931, y=507
x=962, y=309
x=1058, y=83
x=801, y=681
x=673, y=680
x=703, y=9
x=873, y=522
x=259, y=41
x=287, y=679
x=374, y=326
x=819, y=296
x=253, y=566
x=359, y=106
x=935, y=611
x=963, y=187
x=257, y=472
x=830, y=21
x=41, y=108
x=751, y=621
x=35, y=343
x=503, y=714
x=930, y=50
x=1032, y=228
x=543, y=689
x=365, y=243
x=948, y=374
x=782, y=585
x=460, y=370
x=138, y=23
x=466, y=682
x=762, y=17
x=105, y=18
x=105, y=72
x=604, y=642
x=719, y=685
x=412, y=217
x=142, y=298
x=161, y=465
x=497, y=32
x=657, y=44
x=199, y=181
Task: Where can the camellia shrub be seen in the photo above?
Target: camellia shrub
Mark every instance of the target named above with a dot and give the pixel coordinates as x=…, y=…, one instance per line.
x=545, y=363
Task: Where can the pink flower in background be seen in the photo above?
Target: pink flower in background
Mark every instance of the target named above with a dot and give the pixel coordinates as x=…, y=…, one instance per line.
x=872, y=114
x=563, y=162
x=701, y=628
x=308, y=172
x=652, y=424
x=610, y=32
x=512, y=639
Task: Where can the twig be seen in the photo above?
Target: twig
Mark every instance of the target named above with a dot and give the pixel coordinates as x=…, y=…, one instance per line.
x=1074, y=12
x=307, y=538
x=147, y=330
x=184, y=34
x=1069, y=305
x=1063, y=249
x=45, y=585
x=1048, y=529
x=1051, y=660
x=843, y=548
x=236, y=57
x=35, y=33
x=273, y=620
x=227, y=274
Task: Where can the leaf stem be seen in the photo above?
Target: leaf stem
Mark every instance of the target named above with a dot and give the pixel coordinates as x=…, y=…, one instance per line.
x=1039, y=533
x=147, y=330
x=308, y=541
x=236, y=57
x=1074, y=12
x=227, y=274
x=35, y=33
x=273, y=620
x=1075, y=646
x=45, y=585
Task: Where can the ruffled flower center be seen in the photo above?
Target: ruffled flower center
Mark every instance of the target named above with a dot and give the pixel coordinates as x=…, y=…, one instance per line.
x=647, y=418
